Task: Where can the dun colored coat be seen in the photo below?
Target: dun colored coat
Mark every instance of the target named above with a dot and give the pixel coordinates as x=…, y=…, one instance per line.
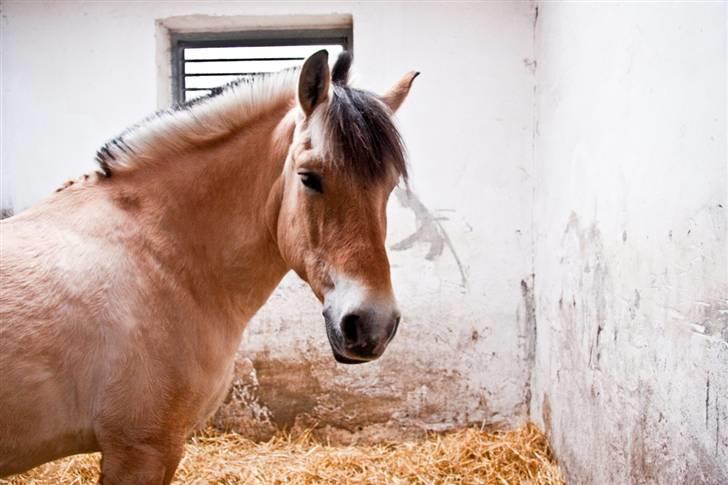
x=123, y=297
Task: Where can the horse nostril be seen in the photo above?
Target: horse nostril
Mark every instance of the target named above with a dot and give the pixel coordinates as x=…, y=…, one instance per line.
x=393, y=327
x=397, y=319
x=350, y=327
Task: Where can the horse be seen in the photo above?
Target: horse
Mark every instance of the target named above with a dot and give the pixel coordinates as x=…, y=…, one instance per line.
x=124, y=295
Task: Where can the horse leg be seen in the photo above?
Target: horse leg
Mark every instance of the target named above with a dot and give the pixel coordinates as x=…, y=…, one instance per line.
x=139, y=463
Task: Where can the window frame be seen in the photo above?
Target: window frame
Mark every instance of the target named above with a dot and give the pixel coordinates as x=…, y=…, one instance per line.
x=248, y=38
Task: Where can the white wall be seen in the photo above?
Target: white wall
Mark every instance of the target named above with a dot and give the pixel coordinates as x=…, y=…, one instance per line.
x=77, y=73
x=631, y=252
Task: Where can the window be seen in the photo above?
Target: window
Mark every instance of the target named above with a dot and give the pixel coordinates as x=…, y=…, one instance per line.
x=203, y=62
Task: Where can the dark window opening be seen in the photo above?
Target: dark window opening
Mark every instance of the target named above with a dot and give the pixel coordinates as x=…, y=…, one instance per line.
x=203, y=62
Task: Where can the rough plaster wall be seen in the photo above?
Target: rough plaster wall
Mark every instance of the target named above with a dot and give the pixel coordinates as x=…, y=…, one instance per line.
x=631, y=263
x=77, y=73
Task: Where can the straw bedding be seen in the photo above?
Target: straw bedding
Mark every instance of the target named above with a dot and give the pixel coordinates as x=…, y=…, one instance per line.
x=459, y=457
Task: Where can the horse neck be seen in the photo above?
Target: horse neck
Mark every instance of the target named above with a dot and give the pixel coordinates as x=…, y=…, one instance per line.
x=209, y=218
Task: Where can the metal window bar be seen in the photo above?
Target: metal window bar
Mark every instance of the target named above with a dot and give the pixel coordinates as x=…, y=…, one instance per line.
x=195, y=75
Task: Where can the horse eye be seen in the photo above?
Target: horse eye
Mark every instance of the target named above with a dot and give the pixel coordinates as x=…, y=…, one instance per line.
x=312, y=181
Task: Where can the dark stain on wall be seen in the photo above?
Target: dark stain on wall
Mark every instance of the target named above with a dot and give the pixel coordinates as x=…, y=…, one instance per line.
x=528, y=331
x=546, y=414
x=270, y=394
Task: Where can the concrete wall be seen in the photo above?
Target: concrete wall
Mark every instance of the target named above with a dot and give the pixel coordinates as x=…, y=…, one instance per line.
x=77, y=73
x=631, y=253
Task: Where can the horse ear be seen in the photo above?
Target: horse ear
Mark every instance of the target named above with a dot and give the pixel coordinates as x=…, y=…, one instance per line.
x=397, y=93
x=313, y=81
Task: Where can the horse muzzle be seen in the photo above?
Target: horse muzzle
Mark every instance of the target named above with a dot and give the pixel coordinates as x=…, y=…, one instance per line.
x=360, y=336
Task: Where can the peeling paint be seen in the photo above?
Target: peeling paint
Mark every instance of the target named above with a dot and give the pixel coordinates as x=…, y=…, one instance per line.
x=428, y=231
x=531, y=64
x=530, y=332
x=710, y=318
x=242, y=408
x=638, y=390
x=707, y=400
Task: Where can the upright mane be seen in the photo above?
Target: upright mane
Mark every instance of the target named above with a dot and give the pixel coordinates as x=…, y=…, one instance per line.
x=361, y=136
x=198, y=121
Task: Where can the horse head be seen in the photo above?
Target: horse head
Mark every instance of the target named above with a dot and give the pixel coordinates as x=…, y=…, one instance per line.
x=345, y=159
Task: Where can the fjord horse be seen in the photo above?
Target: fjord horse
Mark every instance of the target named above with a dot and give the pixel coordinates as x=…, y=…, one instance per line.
x=123, y=297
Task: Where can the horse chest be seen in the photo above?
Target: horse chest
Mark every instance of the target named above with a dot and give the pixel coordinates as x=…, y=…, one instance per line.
x=211, y=381
x=216, y=390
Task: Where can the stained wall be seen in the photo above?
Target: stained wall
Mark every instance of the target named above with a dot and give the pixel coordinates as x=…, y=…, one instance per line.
x=631, y=253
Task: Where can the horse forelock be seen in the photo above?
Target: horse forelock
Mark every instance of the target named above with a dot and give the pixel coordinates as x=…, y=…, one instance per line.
x=361, y=136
